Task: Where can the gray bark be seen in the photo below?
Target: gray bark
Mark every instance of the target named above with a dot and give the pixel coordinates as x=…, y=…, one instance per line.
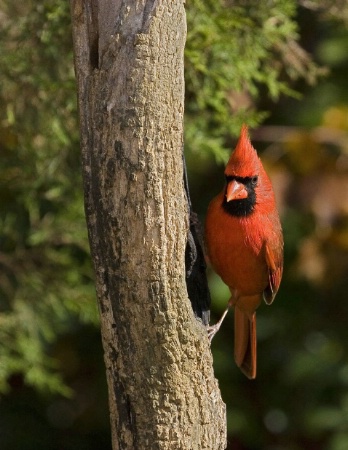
x=129, y=67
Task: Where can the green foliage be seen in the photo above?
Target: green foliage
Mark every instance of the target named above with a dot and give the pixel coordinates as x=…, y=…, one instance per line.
x=46, y=284
x=236, y=51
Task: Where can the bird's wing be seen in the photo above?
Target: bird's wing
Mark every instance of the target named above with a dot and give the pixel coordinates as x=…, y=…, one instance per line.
x=274, y=259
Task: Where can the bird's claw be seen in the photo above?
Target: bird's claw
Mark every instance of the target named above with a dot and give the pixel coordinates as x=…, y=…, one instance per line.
x=212, y=330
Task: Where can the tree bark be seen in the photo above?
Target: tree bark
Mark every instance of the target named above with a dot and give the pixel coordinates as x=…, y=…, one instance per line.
x=129, y=67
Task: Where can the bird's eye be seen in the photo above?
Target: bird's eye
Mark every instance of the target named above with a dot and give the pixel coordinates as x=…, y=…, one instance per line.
x=254, y=180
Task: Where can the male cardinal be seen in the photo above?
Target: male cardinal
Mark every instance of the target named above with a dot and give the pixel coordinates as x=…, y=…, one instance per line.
x=245, y=246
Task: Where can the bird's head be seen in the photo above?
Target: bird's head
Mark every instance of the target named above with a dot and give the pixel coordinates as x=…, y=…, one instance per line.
x=242, y=177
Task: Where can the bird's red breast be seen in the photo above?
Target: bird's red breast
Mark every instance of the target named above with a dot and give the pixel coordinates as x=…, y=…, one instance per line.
x=243, y=236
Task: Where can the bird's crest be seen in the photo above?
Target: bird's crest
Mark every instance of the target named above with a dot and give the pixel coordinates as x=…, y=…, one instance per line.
x=244, y=161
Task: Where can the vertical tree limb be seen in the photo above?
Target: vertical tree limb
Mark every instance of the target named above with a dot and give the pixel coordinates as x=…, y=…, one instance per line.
x=129, y=66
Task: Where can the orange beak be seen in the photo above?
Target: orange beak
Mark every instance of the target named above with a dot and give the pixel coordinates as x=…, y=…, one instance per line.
x=235, y=191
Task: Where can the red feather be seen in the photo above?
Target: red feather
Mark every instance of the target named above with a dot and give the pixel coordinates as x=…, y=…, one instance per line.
x=245, y=245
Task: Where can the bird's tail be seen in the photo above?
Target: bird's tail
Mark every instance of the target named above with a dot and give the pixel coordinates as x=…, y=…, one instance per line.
x=245, y=342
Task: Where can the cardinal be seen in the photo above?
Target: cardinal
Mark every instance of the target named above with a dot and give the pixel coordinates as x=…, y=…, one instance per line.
x=244, y=244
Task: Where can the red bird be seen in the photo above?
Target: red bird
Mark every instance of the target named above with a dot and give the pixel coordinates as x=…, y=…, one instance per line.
x=245, y=246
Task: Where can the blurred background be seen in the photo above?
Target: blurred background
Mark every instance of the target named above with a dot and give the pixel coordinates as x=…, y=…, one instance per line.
x=281, y=67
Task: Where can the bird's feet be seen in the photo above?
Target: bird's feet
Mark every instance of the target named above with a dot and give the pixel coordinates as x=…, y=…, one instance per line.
x=213, y=329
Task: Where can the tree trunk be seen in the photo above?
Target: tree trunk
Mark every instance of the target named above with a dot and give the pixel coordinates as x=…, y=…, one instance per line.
x=129, y=66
